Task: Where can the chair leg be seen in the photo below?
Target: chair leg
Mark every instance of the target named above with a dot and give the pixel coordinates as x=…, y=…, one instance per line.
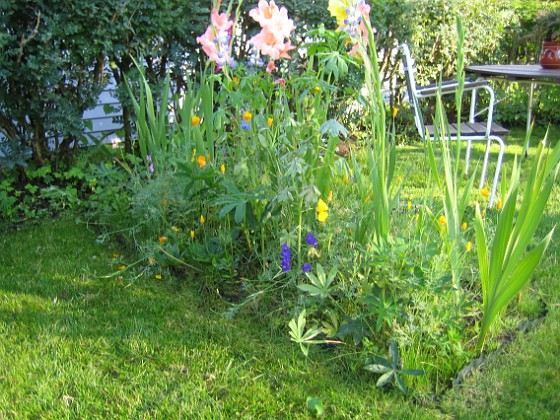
x=498, y=169
x=467, y=157
x=485, y=164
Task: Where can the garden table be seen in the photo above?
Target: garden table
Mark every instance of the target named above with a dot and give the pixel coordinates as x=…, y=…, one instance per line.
x=532, y=74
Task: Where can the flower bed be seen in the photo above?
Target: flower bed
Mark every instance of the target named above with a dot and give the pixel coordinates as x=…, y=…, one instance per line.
x=245, y=191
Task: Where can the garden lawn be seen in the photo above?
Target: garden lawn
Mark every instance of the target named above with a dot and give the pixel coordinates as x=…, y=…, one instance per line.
x=76, y=342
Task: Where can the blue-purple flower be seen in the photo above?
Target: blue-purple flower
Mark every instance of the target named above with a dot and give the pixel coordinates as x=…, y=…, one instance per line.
x=306, y=268
x=285, y=257
x=311, y=240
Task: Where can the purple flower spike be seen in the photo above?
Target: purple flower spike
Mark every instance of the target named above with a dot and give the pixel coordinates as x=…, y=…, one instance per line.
x=306, y=268
x=285, y=258
x=311, y=240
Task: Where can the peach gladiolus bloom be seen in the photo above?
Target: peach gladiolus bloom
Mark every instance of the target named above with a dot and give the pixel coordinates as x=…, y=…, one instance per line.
x=276, y=27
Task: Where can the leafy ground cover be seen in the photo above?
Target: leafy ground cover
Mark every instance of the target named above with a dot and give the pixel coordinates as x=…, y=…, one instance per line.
x=77, y=342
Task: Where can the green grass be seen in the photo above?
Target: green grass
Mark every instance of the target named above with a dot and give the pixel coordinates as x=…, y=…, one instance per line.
x=77, y=344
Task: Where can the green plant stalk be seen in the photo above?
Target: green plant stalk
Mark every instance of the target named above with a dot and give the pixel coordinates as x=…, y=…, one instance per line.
x=381, y=162
x=152, y=128
x=454, y=201
x=509, y=264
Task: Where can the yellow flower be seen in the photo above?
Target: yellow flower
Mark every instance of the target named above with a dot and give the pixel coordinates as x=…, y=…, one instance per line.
x=483, y=213
x=499, y=204
x=329, y=196
x=322, y=211
x=195, y=120
x=395, y=112
x=346, y=180
x=322, y=206
x=464, y=226
x=409, y=205
x=158, y=277
x=247, y=116
x=162, y=240
x=322, y=216
x=399, y=179
x=223, y=168
x=202, y=219
x=192, y=234
x=151, y=260
x=164, y=202
x=316, y=89
x=116, y=255
x=337, y=9
x=122, y=267
x=270, y=121
x=201, y=160
x=485, y=192
x=468, y=247
x=235, y=80
x=442, y=220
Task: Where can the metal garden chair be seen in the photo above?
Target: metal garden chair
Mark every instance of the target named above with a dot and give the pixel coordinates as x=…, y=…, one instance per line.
x=469, y=131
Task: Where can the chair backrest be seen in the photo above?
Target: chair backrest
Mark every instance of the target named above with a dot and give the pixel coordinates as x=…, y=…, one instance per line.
x=411, y=87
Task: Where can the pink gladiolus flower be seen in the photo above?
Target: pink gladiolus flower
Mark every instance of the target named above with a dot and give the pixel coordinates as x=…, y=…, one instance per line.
x=276, y=28
x=271, y=67
x=281, y=82
x=216, y=41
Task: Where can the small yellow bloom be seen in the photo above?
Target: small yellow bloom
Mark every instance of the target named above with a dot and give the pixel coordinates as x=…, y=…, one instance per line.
x=409, y=205
x=223, y=168
x=442, y=220
x=346, y=180
x=416, y=218
x=201, y=160
x=483, y=213
x=175, y=229
x=162, y=240
x=464, y=226
x=316, y=89
x=468, y=247
x=158, y=277
x=322, y=206
x=192, y=234
x=116, y=255
x=399, y=179
x=499, y=204
x=193, y=155
x=247, y=116
x=322, y=216
x=202, y=219
x=195, y=120
x=485, y=192
x=270, y=121
x=395, y=112
x=151, y=260
x=369, y=197
x=330, y=196
x=164, y=202
x=122, y=267
x=235, y=80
